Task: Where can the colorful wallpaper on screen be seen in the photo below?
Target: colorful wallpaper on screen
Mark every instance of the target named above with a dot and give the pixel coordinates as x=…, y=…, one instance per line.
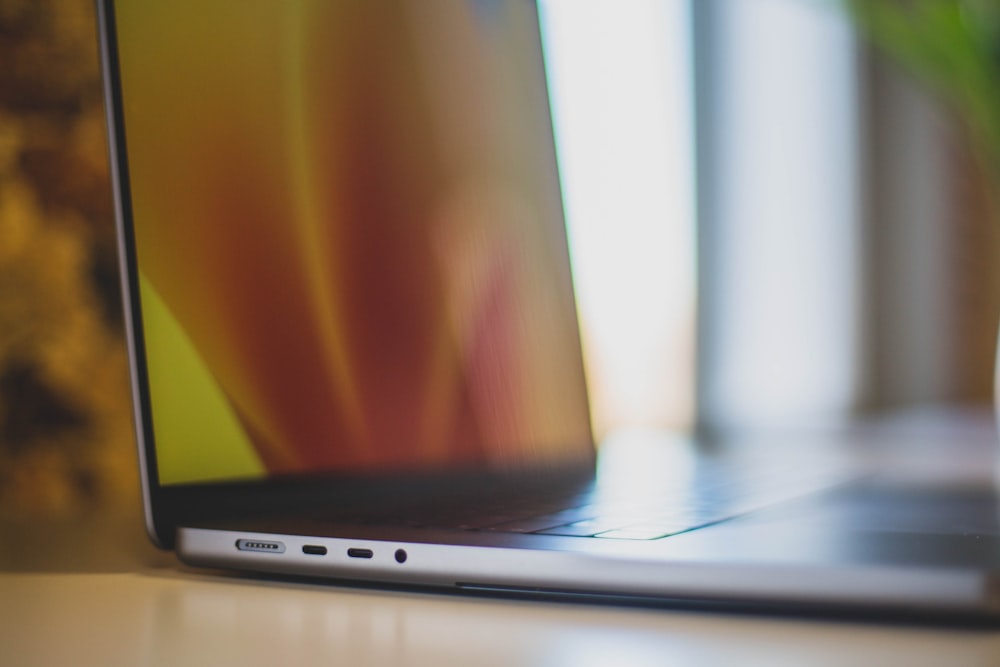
x=350, y=238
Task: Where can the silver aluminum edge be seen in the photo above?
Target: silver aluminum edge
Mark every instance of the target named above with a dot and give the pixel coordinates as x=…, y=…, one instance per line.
x=907, y=589
x=115, y=171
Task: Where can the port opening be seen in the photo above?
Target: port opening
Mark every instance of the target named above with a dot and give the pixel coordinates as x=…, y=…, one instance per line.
x=262, y=546
x=357, y=552
x=314, y=550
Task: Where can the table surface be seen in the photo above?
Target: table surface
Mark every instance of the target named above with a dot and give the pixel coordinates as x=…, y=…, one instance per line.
x=92, y=591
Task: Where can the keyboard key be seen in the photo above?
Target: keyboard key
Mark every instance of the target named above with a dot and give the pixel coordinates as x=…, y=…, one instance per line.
x=534, y=524
x=586, y=528
x=530, y=525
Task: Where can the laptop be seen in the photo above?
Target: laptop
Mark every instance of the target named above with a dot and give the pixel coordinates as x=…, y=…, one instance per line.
x=355, y=351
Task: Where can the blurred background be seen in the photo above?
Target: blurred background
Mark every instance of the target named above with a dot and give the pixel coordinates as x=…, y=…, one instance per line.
x=773, y=222
x=65, y=430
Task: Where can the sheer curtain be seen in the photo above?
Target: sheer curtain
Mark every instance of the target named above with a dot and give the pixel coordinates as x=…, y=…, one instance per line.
x=779, y=198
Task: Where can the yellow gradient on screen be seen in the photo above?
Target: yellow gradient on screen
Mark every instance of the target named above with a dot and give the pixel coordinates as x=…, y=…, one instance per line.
x=190, y=411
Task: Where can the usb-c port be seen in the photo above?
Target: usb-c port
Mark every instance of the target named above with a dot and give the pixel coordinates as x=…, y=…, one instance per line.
x=355, y=552
x=314, y=550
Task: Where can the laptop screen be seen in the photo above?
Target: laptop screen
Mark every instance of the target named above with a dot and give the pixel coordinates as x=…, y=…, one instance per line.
x=349, y=237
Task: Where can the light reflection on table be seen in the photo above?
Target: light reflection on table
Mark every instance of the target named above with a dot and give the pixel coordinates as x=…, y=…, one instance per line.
x=173, y=616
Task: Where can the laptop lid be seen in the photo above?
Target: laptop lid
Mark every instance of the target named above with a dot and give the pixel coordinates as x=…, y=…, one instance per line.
x=344, y=248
